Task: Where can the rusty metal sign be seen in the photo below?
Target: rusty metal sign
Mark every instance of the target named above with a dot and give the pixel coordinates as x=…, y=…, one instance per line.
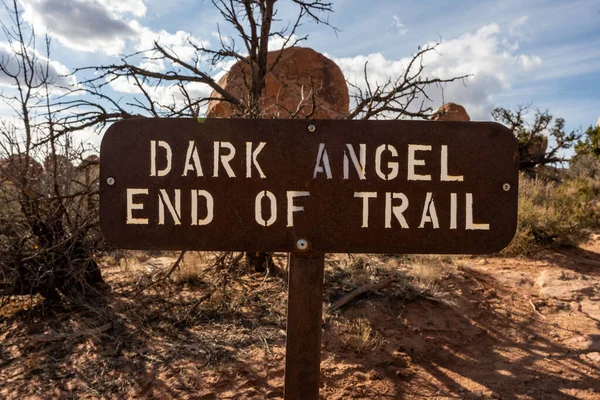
x=298, y=185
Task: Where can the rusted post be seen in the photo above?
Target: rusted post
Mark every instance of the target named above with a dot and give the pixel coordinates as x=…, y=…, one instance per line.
x=303, y=347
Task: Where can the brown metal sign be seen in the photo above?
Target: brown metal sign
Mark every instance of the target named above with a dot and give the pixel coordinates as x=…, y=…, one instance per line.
x=326, y=185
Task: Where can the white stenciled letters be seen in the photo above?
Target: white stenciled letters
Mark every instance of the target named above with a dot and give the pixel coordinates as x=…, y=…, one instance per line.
x=223, y=159
x=358, y=165
x=258, y=212
x=251, y=159
x=413, y=162
x=192, y=157
x=291, y=208
x=365, y=211
x=210, y=206
x=135, y=206
x=429, y=212
x=396, y=210
x=453, y=210
x=174, y=209
x=153, y=154
x=322, y=164
x=391, y=165
x=469, y=225
x=444, y=177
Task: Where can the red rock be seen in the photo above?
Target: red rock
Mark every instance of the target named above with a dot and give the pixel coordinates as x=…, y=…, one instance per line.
x=288, y=87
x=451, y=112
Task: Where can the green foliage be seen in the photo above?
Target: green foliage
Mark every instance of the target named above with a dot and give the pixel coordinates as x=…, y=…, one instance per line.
x=534, y=137
x=590, y=143
x=552, y=214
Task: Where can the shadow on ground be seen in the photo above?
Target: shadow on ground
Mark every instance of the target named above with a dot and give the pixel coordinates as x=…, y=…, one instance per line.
x=177, y=341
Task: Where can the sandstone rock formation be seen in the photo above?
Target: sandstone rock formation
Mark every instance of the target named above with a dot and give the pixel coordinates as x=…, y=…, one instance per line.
x=538, y=146
x=13, y=168
x=300, y=76
x=451, y=112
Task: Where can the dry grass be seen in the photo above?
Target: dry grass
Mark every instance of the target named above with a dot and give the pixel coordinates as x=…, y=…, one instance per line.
x=412, y=277
x=552, y=214
x=191, y=269
x=426, y=273
x=361, y=337
x=363, y=268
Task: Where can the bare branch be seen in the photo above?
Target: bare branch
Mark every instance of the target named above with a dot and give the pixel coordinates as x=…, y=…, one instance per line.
x=393, y=99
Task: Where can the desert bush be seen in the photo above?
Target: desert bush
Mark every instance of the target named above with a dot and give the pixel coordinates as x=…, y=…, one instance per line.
x=48, y=227
x=554, y=214
x=585, y=166
x=48, y=189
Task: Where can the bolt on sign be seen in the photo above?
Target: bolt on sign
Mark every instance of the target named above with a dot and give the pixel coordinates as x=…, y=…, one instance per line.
x=326, y=186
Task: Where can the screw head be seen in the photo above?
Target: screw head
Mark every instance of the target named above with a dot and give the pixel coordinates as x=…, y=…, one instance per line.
x=312, y=128
x=506, y=187
x=302, y=244
x=110, y=181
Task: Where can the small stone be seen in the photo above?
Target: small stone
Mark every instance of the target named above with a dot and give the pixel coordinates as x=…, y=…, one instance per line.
x=594, y=356
x=531, y=338
x=375, y=376
x=583, y=343
x=502, y=312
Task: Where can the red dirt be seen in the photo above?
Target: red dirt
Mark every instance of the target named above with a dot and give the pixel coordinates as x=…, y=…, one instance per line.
x=497, y=335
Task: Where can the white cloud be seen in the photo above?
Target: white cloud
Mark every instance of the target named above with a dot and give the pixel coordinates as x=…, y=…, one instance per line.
x=83, y=25
x=529, y=62
x=124, y=85
x=57, y=73
x=135, y=7
x=493, y=62
x=520, y=21
x=177, y=43
x=162, y=95
x=152, y=64
x=399, y=26
x=101, y=25
x=278, y=42
x=221, y=38
x=517, y=27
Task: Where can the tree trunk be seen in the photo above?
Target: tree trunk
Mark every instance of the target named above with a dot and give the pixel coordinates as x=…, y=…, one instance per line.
x=258, y=262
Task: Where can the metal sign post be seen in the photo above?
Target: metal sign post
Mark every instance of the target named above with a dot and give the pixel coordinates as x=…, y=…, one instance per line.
x=308, y=188
x=303, y=345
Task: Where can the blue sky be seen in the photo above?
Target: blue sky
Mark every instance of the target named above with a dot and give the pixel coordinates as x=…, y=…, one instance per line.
x=538, y=51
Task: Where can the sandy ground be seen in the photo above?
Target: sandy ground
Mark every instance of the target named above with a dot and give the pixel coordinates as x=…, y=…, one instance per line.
x=496, y=328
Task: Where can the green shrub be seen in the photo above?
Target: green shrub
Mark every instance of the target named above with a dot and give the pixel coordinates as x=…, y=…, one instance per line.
x=585, y=166
x=554, y=214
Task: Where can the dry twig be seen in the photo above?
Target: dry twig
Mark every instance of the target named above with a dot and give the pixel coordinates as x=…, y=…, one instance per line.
x=357, y=292
x=51, y=337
